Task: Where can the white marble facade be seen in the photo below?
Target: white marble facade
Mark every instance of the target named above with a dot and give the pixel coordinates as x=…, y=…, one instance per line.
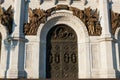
x=25, y=56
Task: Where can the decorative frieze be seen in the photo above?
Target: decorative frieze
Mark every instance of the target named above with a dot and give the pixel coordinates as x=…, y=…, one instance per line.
x=6, y=18
x=89, y=17
x=115, y=21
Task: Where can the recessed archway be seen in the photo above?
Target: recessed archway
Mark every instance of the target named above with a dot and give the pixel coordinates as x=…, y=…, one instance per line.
x=61, y=53
x=82, y=42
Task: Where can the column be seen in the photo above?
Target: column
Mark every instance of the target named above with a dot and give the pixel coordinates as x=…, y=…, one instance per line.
x=16, y=66
x=106, y=55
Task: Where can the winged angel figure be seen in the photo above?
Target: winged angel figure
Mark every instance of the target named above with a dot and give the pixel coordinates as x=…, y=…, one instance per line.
x=36, y=17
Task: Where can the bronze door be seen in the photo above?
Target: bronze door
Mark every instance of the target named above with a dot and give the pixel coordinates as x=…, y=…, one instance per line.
x=61, y=59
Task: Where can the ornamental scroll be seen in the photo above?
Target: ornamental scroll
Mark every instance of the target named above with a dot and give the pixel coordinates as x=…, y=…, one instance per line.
x=89, y=17
x=115, y=21
x=6, y=18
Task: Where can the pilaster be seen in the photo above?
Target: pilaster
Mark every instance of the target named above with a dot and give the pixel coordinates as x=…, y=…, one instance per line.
x=106, y=67
x=16, y=66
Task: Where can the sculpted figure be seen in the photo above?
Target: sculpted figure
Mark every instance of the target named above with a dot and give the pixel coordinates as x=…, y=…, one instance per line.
x=6, y=18
x=115, y=21
x=88, y=16
x=91, y=28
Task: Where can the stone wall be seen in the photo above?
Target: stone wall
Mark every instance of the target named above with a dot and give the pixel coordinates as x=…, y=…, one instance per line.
x=24, y=56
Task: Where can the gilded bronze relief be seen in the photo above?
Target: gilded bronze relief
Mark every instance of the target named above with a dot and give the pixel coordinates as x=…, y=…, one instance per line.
x=115, y=21
x=6, y=18
x=88, y=16
x=36, y=17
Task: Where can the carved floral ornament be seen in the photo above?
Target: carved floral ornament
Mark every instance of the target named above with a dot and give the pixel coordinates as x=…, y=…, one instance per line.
x=6, y=18
x=115, y=21
x=88, y=16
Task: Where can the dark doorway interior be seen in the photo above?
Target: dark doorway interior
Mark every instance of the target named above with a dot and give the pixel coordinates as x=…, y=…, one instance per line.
x=62, y=54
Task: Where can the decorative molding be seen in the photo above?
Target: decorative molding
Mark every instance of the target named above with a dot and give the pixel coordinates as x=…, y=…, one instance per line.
x=89, y=17
x=6, y=18
x=115, y=21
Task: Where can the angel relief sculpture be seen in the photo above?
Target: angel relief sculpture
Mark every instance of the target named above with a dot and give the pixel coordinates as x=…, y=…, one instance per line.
x=115, y=21
x=89, y=17
x=36, y=17
x=6, y=17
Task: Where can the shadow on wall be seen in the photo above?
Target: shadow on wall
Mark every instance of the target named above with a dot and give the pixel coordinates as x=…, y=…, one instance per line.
x=116, y=55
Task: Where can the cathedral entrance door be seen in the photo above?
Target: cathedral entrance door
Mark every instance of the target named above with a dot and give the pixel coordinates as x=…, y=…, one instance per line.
x=62, y=54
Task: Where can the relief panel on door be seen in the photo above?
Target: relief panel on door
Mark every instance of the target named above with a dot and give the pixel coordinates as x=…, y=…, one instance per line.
x=62, y=54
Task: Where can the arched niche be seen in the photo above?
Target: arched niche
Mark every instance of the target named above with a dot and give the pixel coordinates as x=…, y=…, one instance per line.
x=82, y=42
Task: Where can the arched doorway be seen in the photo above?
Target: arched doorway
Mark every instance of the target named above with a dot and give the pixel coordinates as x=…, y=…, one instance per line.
x=62, y=53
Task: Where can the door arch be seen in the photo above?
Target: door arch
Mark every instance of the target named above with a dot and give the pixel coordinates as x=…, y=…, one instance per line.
x=61, y=53
x=82, y=41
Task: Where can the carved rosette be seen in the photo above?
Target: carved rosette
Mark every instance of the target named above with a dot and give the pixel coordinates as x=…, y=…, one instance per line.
x=115, y=21
x=89, y=17
x=6, y=18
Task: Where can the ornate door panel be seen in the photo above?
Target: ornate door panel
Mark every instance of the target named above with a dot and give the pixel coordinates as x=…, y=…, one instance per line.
x=61, y=60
